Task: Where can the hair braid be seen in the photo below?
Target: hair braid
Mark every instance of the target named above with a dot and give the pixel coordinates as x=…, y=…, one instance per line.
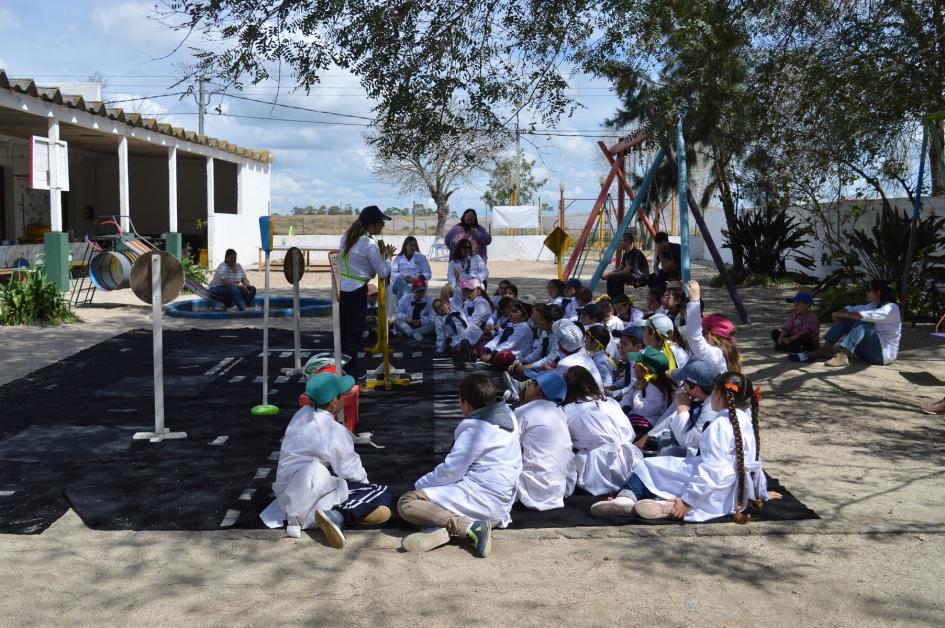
x=756, y=504
x=740, y=517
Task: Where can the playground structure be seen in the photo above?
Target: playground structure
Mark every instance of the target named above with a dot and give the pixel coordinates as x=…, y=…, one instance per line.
x=385, y=375
x=615, y=156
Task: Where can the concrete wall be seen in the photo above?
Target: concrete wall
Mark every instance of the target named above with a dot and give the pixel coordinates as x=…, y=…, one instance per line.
x=240, y=230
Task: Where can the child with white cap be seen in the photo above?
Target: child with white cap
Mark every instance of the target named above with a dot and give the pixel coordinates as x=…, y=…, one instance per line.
x=571, y=348
x=548, y=471
x=320, y=480
x=478, y=308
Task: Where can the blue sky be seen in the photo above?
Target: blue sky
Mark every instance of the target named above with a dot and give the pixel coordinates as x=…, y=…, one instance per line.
x=314, y=163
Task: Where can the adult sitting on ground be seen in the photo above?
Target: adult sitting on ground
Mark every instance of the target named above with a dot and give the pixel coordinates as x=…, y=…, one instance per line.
x=468, y=227
x=633, y=268
x=230, y=284
x=870, y=331
x=668, y=264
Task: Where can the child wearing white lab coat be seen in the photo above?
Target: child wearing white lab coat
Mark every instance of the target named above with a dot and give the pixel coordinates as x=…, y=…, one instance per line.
x=600, y=434
x=473, y=489
x=414, y=313
x=548, y=471
x=653, y=391
x=477, y=308
x=545, y=345
x=454, y=330
x=723, y=479
x=512, y=342
x=307, y=492
x=596, y=339
x=464, y=264
x=710, y=337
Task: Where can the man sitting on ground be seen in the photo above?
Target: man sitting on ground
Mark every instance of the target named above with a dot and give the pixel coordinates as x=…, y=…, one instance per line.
x=230, y=284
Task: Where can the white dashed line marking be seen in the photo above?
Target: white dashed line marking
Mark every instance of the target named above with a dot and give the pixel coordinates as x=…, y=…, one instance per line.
x=219, y=440
x=6, y=493
x=262, y=473
x=247, y=494
x=230, y=518
x=236, y=379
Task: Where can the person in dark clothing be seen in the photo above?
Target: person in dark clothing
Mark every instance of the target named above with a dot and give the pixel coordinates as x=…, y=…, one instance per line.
x=632, y=269
x=668, y=264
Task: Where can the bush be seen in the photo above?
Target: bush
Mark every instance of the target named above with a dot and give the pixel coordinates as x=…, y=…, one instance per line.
x=192, y=269
x=758, y=279
x=769, y=238
x=35, y=301
x=836, y=297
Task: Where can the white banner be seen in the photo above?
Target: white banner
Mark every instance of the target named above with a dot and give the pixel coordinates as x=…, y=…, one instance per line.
x=515, y=217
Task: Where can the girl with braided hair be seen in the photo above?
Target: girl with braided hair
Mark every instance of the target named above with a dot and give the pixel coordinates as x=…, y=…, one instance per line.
x=721, y=480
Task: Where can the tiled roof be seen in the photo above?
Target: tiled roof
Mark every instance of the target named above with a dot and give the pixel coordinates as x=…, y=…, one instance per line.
x=52, y=94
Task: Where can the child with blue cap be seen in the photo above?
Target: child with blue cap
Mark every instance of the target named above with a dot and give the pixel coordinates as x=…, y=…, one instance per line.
x=801, y=330
x=320, y=480
x=548, y=470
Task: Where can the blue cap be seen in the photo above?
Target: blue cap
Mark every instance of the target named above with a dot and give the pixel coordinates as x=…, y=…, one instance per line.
x=630, y=331
x=323, y=387
x=371, y=215
x=696, y=371
x=574, y=282
x=803, y=297
x=552, y=384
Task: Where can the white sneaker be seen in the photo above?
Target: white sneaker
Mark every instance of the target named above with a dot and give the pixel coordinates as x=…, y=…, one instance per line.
x=425, y=540
x=293, y=532
x=619, y=506
x=653, y=509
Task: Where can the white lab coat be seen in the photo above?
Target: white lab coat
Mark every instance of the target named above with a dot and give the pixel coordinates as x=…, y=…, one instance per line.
x=707, y=482
x=605, y=367
x=414, y=267
x=455, y=328
x=478, y=478
x=888, y=323
x=364, y=261
x=474, y=269
x=548, y=470
x=405, y=309
x=614, y=323
x=698, y=346
x=603, y=439
x=477, y=310
x=580, y=359
x=518, y=340
x=649, y=403
x=313, y=443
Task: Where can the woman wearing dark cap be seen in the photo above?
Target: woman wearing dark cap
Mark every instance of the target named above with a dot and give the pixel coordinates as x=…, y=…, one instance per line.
x=361, y=258
x=468, y=228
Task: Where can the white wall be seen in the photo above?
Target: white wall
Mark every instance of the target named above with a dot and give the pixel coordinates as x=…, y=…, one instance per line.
x=240, y=231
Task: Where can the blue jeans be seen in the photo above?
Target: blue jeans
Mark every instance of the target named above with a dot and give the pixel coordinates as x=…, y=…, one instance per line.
x=231, y=295
x=859, y=338
x=636, y=486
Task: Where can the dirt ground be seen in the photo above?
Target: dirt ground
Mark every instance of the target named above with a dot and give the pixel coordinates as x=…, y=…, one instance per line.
x=849, y=443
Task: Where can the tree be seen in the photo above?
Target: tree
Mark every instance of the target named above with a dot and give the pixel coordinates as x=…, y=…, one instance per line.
x=502, y=182
x=438, y=168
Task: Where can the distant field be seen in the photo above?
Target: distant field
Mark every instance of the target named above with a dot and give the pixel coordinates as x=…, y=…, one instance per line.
x=404, y=225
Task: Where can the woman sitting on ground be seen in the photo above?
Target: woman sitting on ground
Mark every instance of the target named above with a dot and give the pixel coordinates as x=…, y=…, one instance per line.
x=408, y=266
x=870, y=331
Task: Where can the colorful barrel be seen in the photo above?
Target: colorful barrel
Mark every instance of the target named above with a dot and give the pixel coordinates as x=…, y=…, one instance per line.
x=110, y=270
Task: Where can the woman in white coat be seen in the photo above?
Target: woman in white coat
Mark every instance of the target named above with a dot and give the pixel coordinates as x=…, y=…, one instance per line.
x=600, y=434
x=721, y=480
x=408, y=266
x=548, y=471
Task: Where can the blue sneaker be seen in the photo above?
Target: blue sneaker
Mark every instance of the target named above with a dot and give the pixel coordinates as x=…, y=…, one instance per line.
x=480, y=537
x=331, y=523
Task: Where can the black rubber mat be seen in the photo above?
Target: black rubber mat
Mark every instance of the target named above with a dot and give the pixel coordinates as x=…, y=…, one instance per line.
x=65, y=435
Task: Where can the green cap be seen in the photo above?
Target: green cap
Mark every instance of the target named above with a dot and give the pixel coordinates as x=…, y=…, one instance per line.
x=324, y=387
x=651, y=358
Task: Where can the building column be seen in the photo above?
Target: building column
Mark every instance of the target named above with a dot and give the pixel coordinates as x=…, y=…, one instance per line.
x=55, y=194
x=124, y=202
x=173, y=243
x=210, y=209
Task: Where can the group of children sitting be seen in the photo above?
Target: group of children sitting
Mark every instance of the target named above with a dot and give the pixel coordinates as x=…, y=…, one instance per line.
x=647, y=409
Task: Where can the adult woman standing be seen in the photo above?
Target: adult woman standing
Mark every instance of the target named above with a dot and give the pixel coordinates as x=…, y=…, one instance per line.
x=468, y=228
x=361, y=259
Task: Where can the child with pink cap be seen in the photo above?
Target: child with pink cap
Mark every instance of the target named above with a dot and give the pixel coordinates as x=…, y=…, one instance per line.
x=711, y=337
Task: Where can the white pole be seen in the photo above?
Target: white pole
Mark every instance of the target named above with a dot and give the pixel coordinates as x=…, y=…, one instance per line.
x=266, y=337
x=211, y=230
x=336, y=329
x=297, y=316
x=124, y=199
x=157, y=337
x=55, y=194
x=172, y=189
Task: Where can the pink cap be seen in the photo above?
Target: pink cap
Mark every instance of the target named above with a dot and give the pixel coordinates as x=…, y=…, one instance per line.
x=718, y=325
x=469, y=284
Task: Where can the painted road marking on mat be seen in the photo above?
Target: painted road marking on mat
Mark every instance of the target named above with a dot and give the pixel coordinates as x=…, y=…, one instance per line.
x=51, y=386
x=274, y=455
x=262, y=473
x=281, y=379
x=230, y=518
x=219, y=440
x=247, y=494
x=122, y=410
x=397, y=354
x=258, y=379
x=236, y=379
x=230, y=367
x=228, y=336
x=417, y=354
x=6, y=493
x=219, y=365
x=286, y=354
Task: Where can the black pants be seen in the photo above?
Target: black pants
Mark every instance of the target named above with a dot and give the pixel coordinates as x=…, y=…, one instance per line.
x=364, y=498
x=352, y=310
x=804, y=343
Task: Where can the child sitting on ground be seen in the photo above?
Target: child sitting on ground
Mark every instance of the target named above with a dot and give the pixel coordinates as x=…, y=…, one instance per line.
x=473, y=489
x=453, y=329
x=570, y=302
x=478, y=308
x=658, y=333
x=630, y=340
x=626, y=311
x=611, y=321
x=545, y=347
x=652, y=392
x=514, y=341
x=571, y=350
x=600, y=434
x=556, y=292
x=654, y=302
x=721, y=480
x=320, y=480
x=678, y=433
x=712, y=337
x=801, y=330
x=593, y=314
x=582, y=298
x=548, y=471
x=414, y=314
x=596, y=339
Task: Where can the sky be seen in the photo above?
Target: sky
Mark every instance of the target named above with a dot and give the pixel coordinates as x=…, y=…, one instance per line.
x=314, y=163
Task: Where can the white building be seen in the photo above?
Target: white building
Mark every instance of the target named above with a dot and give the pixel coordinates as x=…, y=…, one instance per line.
x=158, y=178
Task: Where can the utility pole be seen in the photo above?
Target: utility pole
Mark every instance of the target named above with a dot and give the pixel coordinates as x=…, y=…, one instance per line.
x=201, y=106
x=518, y=164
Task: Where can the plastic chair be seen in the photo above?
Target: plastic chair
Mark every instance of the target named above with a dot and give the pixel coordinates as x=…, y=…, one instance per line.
x=439, y=252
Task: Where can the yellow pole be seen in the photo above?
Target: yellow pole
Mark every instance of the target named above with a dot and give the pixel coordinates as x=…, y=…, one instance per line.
x=560, y=270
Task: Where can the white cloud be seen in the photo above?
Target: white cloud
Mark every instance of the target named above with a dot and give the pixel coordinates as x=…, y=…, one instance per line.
x=136, y=24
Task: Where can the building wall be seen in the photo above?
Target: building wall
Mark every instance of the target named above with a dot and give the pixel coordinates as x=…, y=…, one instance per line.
x=240, y=230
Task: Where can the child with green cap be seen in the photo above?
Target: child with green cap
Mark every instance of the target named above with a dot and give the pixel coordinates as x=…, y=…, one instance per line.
x=653, y=390
x=320, y=480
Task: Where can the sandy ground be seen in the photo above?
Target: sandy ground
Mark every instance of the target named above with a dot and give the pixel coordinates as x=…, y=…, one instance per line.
x=850, y=444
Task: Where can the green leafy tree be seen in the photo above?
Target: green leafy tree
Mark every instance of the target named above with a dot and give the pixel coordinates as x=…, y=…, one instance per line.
x=502, y=182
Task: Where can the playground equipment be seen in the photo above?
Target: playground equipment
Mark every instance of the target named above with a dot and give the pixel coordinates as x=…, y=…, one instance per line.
x=157, y=278
x=265, y=408
x=294, y=267
x=385, y=374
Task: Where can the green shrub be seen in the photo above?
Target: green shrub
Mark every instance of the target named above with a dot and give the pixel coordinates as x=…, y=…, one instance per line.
x=759, y=279
x=192, y=269
x=716, y=281
x=837, y=296
x=769, y=238
x=35, y=301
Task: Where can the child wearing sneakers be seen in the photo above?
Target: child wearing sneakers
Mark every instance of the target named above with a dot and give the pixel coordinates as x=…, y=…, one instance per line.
x=801, y=331
x=548, y=471
x=721, y=480
x=473, y=489
x=414, y=314
x=320, y=480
